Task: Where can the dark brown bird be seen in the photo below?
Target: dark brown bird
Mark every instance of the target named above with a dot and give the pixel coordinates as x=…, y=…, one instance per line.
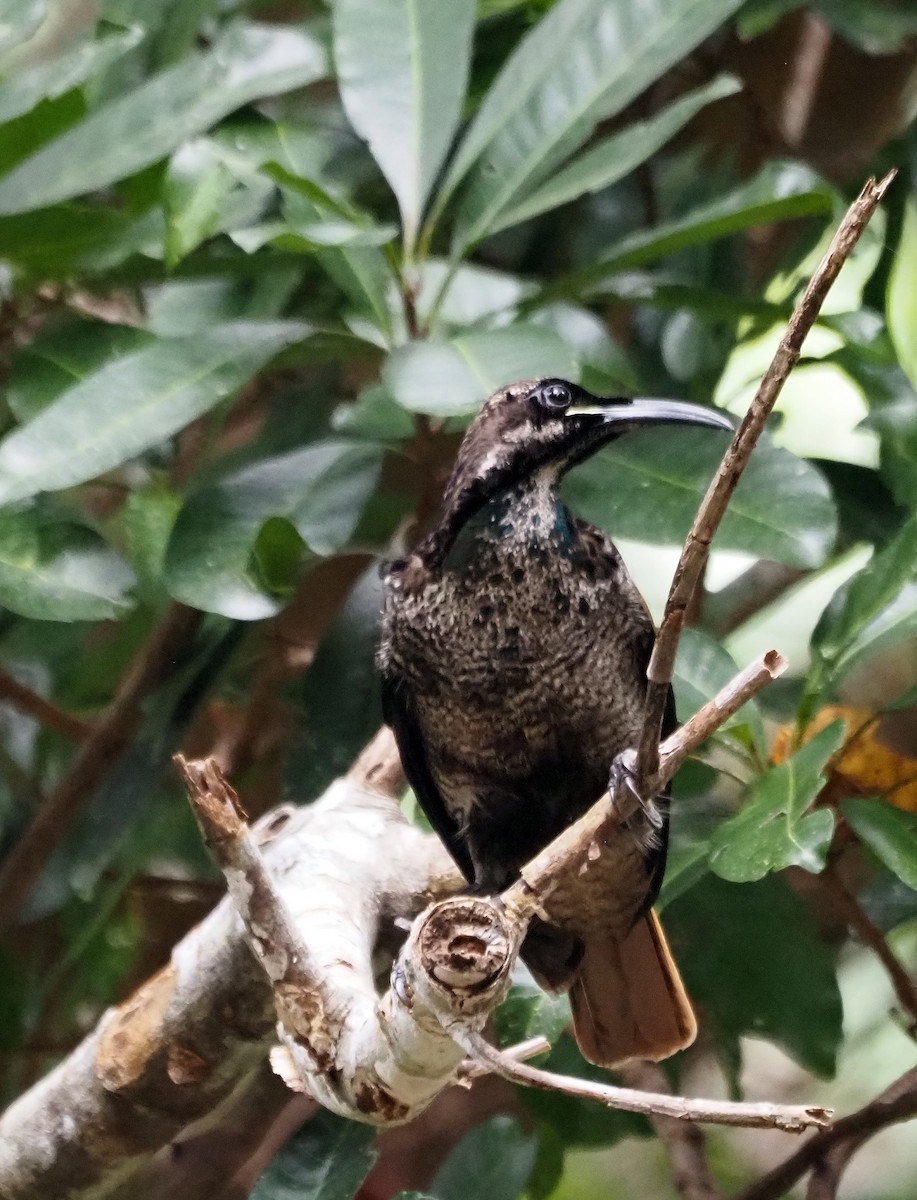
x=513, y=656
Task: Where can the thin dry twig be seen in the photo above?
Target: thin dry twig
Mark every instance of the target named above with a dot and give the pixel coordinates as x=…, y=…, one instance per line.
x=793, y=1118
x=697, y=546
x=111, y=734
x=897, y=1103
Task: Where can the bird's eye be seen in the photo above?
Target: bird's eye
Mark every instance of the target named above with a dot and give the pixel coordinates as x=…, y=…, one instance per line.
x=555, y=396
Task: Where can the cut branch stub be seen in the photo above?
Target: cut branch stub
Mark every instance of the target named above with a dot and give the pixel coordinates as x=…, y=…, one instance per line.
x=465, y=943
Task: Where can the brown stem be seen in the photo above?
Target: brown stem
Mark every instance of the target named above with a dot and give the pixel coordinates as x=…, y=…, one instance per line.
x=685, y=1143
x=697, y=546
x=897, y=1103
x=856, y=917
x=110, y=736
x=22, y=697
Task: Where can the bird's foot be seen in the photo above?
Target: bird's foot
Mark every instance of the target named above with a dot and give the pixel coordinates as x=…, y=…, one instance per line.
x=623, y=790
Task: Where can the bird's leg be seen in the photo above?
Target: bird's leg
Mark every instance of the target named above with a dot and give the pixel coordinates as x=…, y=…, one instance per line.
x=623, y=790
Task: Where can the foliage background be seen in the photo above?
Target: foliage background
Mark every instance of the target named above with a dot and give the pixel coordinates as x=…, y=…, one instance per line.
x=258, y=266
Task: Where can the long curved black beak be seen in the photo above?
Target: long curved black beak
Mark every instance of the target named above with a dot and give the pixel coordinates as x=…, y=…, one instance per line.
x=624, y=414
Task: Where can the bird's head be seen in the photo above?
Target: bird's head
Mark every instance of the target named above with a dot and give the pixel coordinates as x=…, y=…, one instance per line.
x=543, y=427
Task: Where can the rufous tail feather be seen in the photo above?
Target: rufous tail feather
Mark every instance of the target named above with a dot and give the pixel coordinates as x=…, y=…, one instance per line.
x=628, y=999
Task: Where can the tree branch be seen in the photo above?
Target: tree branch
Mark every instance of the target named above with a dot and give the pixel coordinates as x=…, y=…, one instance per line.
x=110, y=735
x=20, y=695
x=856, y=917
x=897, y=1103
x=696, y=550
x=791, y=1118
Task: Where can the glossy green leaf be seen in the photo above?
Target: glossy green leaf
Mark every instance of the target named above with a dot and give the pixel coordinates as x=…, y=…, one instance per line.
x=196, y=186
x=326, y=1159
x=901, y=303
x=779, y=192
x=493, y=1161
x=775, y=828
x=544, y=104
x=615, y=157
x=402, y=68
x=320, y=490
x=134, y=402
x=22, y=91
x=891, y=834
x=143, y=126
x=648, y=487
x=447, y=378
x=702, y=668
x=874, y=610
x=756, y=965
x=56, y=571
x=55, y=243
x=529, y=1012
x=62, y=356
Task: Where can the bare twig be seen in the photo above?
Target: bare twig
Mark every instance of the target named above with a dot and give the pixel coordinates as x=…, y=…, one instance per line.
x=857, y=918
x=791, y=1118
x=697, y=546
x=684, y=1142
x=164, y=651
x=21, y=696
x=897, y=1103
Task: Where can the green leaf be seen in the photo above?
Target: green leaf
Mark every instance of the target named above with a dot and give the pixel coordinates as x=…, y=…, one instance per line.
x=648, y=487
x=582, y=64
x=780, y=191
x=774, y=828
x=132, y=131
x=530, y=1012
x=492, y=1162
x=57, y=571
x=22, y=91
x=321, y=490
x=327, y=1159
x=133, y=402
x=58, y=242
x=64, y=355
x=702, y=668
x=874, y=610
x=402, y=68
x=447, y=378
x=891, y=834
x=901, y=302
x=755, y=964
x=149, y=516
x=616, y=156
x=196, y=185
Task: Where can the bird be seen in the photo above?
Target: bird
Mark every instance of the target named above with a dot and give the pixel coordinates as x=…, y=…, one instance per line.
x=513, y=655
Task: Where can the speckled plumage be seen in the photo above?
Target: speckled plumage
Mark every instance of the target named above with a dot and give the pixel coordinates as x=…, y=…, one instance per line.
x=513, y=655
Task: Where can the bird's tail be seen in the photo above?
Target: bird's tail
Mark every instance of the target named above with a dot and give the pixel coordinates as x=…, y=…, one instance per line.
x=628, y=999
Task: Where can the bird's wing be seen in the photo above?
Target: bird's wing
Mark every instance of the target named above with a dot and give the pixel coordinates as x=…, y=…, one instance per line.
x=398, y=713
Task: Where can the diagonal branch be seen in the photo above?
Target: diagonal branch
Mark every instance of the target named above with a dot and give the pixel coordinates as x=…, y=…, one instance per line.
x=897, y=1103
x=696, y=550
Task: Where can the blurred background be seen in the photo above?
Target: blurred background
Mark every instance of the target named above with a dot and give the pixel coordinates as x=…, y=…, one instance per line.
x=259, y=265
